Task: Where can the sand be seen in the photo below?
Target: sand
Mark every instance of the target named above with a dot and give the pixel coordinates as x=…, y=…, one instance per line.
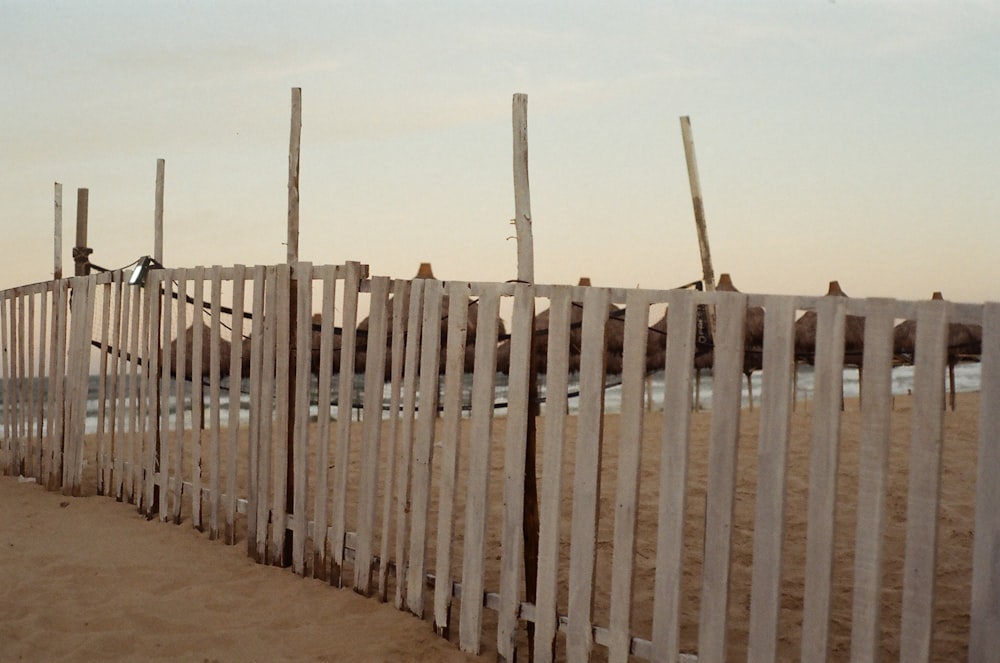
x=88, y=578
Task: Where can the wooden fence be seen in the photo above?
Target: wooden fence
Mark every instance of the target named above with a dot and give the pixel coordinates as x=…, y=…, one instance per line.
x=421, y=500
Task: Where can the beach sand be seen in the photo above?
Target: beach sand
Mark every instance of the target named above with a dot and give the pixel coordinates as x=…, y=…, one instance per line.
x=88, y=578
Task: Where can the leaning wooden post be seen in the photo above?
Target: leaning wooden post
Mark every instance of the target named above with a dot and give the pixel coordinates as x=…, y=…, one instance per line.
x=699, y=207
x=526, y=274
x=158, y=213
x=295, y=136
x=57, y=257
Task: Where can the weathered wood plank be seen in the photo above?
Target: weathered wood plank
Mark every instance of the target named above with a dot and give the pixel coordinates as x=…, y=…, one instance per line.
x=627, y=483
x=924, y=482
x=371, y=434
x=423, y=446
x=400, y=307
x=873, y=480
x=103, y=361
x=727, y=375
x=279, y=440
x=512, y=533
x=480, y=442
x=266, y=408
x=151, y=379
x=163, y=436
x=985, y=617
x=177, y=503
x=586, y=477
x=300, y=422
x=214, y=408
x=197, y=275
x=672, y=502
x=556, y=407
x=458, y=316
x=124, y=386
x=43, y=374
x=823, y=463
x=345, y=400
x=324, y=411
x=772, y=470
x=405, y=449
x=235, y=389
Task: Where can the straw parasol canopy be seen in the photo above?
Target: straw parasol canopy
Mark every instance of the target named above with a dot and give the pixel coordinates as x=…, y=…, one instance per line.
x=206, y=359
x=753, y=336
x=965, y=342
x=425, y=271
x=854, y=334
x=614, y=339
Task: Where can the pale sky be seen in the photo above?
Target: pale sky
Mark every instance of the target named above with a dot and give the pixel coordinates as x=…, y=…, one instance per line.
x=848, y=140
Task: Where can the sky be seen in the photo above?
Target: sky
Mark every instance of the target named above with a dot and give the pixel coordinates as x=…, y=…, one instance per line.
x=846, y=140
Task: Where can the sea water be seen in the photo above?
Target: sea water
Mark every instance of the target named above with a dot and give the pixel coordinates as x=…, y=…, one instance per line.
x=967, y=377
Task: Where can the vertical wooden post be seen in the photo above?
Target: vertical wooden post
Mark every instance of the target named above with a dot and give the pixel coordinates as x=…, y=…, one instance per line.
x=293, y=257
x=57, y=258
x=158, y=213
x=699, y=207
x=526, y=274
x=81, y=253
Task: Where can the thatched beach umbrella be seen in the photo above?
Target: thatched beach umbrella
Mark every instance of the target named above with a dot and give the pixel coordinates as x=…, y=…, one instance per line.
x=753, y=336
x=854, y=334
x=964, y=343
x=206, y=358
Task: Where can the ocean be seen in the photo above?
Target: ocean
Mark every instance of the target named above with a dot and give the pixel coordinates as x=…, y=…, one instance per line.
x=967, y=376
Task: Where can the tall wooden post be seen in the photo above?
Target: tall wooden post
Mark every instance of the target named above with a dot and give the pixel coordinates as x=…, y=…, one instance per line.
x=293, y=257
x=57, y=269
x=526, y=274
x=699, y=207
x=81, y=253
x=158, y=213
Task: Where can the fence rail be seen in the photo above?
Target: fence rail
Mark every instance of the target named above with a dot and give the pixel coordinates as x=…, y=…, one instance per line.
x=215, y=396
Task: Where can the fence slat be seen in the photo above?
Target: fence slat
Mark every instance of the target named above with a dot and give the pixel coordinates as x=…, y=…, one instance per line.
x=32, y=388
x=324, y=405
x=6, y=445
x=261, y=408
x=423, y=446
x=677, y=397
x=586, y=477
x=345, y=401
x=823, y=462
x=556, y=408
x=151, y=382
x=924, y=481
x=43, y=377
x=266, y=409
x=627, y=482
x=873, y=479
x=280, y=504
x=58, y=402
x=371, y=434
x=400, y=307
x=197, y=395
x=405, y=449
x=122, y=467
x=163, y=435
x=180, y=362
x=451, y=421
x=772, y=470
x=512, y=534
x=102, y=387
x=985, y=617
x=235, y=391
x=480, y=441
x=721, y=483
x=214, y=403
x=300, y=421
x=78, y=373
